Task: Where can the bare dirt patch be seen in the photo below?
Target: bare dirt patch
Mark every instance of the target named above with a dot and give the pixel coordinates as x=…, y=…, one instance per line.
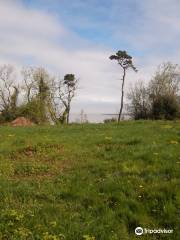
x=22, y=122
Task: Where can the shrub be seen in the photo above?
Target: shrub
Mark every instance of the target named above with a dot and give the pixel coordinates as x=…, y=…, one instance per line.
x=110, y=120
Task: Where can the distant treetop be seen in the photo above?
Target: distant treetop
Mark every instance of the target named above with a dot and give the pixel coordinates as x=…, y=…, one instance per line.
x=124, y=60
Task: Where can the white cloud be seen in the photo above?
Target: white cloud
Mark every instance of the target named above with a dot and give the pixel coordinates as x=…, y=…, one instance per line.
x=34, y=34
x=29, y=35
x=16, y=18
x=158, y=28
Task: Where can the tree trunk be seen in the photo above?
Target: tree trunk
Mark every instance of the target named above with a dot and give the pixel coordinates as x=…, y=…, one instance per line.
x=68, y=105
x=122, y=94
x=68, y=112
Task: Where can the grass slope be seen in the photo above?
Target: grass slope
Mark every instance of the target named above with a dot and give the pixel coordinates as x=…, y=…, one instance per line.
x=89, y=182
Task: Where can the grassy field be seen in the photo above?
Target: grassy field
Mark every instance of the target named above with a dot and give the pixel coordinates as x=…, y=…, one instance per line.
x=89, y=182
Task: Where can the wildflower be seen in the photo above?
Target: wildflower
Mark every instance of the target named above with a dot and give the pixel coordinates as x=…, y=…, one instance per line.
x=48, y=236
x=23, y=232
x=87, y=237
x=10, y=223
x=173, y=142
x=15, y=215
x=167, y=126
x=108, y=138
x=31, y=214
x=53, y=223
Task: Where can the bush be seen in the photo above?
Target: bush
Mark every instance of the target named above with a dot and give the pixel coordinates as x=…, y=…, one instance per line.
x=165, y=107
x=7, y=116
x=110, y=120
x=160, y=99
x=32, y=110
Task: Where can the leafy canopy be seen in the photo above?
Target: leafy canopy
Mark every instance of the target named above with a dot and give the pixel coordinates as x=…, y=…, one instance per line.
x=124, y=60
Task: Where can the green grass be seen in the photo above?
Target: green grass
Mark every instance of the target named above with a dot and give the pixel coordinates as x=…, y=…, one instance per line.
x=91, y=182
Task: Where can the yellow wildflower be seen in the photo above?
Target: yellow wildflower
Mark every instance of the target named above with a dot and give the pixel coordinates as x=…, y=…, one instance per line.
x=87, y=237
x=167, y=126
x=173, y=142
x=108, y=138
x=53, y=223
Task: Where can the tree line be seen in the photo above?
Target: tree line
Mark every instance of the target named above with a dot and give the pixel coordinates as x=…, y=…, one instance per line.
x=44, y=98
x=160, y=98
x=39, y=97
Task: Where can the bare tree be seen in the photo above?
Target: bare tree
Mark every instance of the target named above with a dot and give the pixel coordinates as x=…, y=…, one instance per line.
x=28, y=82
x=166, y=80
x=139, y=106
x=8, y=91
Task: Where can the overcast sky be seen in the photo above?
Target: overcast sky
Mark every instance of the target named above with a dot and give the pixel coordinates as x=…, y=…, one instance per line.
x=78, y=36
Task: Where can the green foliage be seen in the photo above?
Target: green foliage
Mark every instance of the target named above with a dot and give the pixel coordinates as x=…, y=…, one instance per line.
x=9, y=112
x=123, y=59
x=7, y=115
x=67, y=89
x=140, y=106
x=69, y=80
x=14, y=98
x=42, y=80
x=92, y=181
x=110, y=120
x=160, y=99
x=37, y=103
x=33, y=111
x=165, y=107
